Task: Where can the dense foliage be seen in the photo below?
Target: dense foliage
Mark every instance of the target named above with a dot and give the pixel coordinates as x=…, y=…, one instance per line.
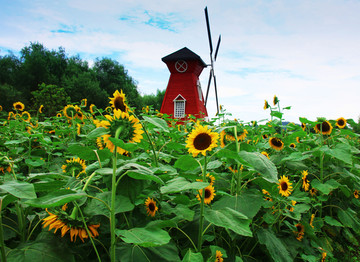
x=23, y=78
x=96, y=185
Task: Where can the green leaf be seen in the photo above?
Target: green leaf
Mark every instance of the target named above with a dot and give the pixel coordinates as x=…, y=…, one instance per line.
x=83, y=152
x=97, y=132
x=126, y=146
x=332, y=221
x=247, y=203
x=19, y=189
x=158, y=122
x=261, y=164
x=97, y=207
x=340, y=151
x=276, y=114
x=56, y=198
x=42, y=251
x=214, y=164
x=34, y=162
x=274, y=245
x=230, y=219
x=180, y=184
x=146, y=237
x=327, y=187
x=186, y=162
x=191, y=256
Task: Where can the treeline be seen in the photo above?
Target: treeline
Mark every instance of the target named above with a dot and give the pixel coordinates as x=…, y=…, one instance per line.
x=48, y=77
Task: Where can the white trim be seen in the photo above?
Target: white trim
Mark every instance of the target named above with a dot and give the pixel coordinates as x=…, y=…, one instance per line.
x=179, y=106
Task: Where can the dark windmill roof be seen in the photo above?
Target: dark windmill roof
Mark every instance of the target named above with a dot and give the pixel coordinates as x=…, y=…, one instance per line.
x=183, y=54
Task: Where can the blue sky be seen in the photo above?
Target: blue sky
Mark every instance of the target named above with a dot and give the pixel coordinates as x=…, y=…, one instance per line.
x=306, y=52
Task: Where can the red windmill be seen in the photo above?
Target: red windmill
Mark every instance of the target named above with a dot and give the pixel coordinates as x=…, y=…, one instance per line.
x=183, y=94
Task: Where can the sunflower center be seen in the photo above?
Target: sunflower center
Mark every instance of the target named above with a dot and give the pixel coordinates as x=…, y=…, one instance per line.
x=325, y=127
x=151, y=206
x=202, y=141
x=119, y=104
x=341, y=122
x=284, y=186
x=207, y=193
x=18, y=107
x=299, y=228
x=276, y=142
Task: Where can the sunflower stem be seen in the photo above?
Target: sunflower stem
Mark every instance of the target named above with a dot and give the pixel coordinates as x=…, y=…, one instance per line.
x=113, y=195
x=238, y=182
x=3, y=254
x=151, y=143
x=88, y=181
x=88, y=232
x=201, y=222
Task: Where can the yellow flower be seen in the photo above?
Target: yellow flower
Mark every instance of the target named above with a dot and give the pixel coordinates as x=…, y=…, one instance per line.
x=69, y=111
x=341, y=122
x=356, y=193
x=313, y=192
x=266, y=105
x=74, y=167
x=201, y=140
x=299, y=231
x=40, y=109
x=92, y=108
x=276, y=143
x=293, y=203
x=26, y=116
x=129, y=126
x=325, y=128
x=285, y=187
x=19, y=106
x=84, y=102
x=303, y=126
x=151, y=207
x=323, y=256
x=312, y=220
x=54, y=221
x=292, y=145
x=265, y=154
x=118, y=101
x=209, y=194
x=305, y=184
x=275, y=100
x=1, y=108
x=219, y=256
x=58, y=115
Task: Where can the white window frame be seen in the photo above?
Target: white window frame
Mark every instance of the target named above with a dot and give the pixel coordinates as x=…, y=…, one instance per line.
x=198, y=84
x=179, y=106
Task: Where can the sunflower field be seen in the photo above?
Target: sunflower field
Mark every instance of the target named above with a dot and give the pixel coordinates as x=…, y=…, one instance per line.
x=110, y=185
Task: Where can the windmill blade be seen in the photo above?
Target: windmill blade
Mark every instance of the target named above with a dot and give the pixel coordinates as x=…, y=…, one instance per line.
x=208, y=30
x=217, y=103
x=217, y=47
x=208, y=86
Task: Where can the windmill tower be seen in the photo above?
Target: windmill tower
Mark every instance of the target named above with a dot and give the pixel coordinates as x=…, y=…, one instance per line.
x=183, y=94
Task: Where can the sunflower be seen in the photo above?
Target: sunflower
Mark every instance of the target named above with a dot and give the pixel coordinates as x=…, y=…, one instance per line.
x=323, y=256
x=75, y=167
x=69, y=111
x=305, y=184
x=356, y=193
x=19, y=106
x=312, y=220
x=79, y=114
x=325, y=128
x=151, y=207
x=265, y=154
x=298, y=139
x=201, y=140
x=275, y=100
x=303, y=126
x=26, y=116
x=285, y=187
x=84, y=102
x=11, y=115
x=58, y=115
x=56, y=222
x=218, y=256
x=293, y=203
x=299, y=231
x=1, y=108
x=292, y=145
x=118, y=101
x=265, y=136
x=41, y=108
x=266, y=105
x=267, y=195
x=341, y=122
x=78, y=130
x=130, y=129
x=276, y=143
x=92, y=108
x=313, y=192
x=209, y=194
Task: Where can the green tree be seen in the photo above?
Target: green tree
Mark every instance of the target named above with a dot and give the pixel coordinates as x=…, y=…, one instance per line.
x=52, y=97
x=153, y=100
